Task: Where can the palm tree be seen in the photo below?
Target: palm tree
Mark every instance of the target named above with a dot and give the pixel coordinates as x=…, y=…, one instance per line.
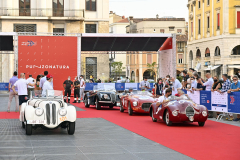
x=152, y=67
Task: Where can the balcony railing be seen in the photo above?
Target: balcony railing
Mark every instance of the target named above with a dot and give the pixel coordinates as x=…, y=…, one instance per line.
x=42, y=12
x=180, y=50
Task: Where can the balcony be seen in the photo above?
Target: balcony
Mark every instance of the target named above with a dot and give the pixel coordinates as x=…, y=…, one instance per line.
x=180, y=49
x=28, y=13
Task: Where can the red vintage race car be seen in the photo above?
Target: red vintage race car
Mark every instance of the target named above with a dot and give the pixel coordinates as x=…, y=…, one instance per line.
x=136, y=101
x=179, y=109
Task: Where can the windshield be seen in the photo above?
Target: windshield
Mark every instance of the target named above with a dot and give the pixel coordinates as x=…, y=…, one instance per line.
x=143, y=93
x=103, y=88
x=36, y=94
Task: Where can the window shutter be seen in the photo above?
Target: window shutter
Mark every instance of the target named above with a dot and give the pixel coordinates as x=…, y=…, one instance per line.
x=238, y=19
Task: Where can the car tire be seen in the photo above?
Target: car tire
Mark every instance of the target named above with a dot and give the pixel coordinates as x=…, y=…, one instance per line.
x=153, y=119
x=98, y=107
x=111, y=107
x=130, y=111
x=71, y=128
x=23, y=125
x=121, y=108
x=167, y=120
x=201, y=124
x=28, y=128
x=86, y=102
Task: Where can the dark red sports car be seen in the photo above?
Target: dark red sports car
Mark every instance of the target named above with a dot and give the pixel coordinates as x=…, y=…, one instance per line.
x=179, y=109
x=136, y=101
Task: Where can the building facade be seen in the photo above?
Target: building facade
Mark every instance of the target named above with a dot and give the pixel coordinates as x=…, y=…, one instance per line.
x=214, y=36
x=55, y=17
x=117, y=25
x=141, y=64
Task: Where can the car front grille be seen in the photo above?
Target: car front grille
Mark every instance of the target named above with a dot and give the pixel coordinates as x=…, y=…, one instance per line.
x=189, y=111
x=113, y=97
x=51, y=114
x=146, y=106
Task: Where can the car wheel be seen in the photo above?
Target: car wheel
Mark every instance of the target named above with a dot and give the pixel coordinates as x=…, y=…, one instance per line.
x=130, y=111
x=98, y=107
x=153, y=119
x=167, y=120
x=201, y=124
x=71, y=128
x=23, y=125
x=86, y=102
x=28, y=128
x=121, y=108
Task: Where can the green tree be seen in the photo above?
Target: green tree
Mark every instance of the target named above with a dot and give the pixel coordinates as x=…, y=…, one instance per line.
x=152, y=67
x=117, y=68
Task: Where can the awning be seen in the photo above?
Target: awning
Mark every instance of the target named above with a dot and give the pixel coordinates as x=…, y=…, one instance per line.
x=122, y=42
x=212, y=68
x=198, y=67
x=234, y=66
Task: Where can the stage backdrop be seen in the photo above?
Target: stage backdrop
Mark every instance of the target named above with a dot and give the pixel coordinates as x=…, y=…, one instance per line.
x=57, y=55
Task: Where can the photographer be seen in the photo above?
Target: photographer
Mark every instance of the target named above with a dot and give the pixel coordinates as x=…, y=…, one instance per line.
x=144, y=85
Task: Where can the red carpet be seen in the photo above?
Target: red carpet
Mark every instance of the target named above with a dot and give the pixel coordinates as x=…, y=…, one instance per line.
x=213, y=141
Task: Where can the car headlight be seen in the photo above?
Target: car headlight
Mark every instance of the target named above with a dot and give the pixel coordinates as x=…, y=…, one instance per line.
x=38, y=111
x=62, y=111
x=204, y=113
x=175, y=113
x=134, y=104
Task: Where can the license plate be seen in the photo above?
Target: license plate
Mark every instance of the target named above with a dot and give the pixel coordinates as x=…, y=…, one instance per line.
x=36, y=121
x=118, y=104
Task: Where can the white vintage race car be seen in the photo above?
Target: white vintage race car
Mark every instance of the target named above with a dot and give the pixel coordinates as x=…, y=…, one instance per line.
x=47, y=111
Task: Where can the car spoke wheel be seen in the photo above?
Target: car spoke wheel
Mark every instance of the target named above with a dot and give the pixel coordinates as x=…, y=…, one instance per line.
x=86, y=102
x=167, y=120
x=121, y=108
x=28, y=128
x=201, y=124
x=23, y=125
x=71, y=128
x=153, y=119
x=130, y=111
x=98, y=107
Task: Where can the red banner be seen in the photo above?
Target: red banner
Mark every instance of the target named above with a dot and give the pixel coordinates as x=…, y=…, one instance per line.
x=57, y=55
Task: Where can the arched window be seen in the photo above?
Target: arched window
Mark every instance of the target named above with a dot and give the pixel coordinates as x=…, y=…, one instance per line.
x=198, y=55
x=236, y=50
x=217, y=51
x=190, y=59
x=149, y=74
x=207, y=53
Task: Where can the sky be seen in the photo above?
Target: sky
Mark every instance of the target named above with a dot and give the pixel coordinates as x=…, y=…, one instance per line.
x=150, y=8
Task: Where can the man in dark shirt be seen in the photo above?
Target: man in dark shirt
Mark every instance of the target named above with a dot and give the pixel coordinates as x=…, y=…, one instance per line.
x=76, y=90
x=67, y=85
x=185, y=78
x=200, y=87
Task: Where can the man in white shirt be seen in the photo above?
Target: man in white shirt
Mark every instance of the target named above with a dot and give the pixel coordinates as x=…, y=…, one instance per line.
x=209, y=82
x=43, y=79
x=176, y=85
x=144, y=85
x=119, y=80
x=127, y=80
x=47, y=85
x=30, y=88
x=82, y=87
x=163, y=99
x=22, y=84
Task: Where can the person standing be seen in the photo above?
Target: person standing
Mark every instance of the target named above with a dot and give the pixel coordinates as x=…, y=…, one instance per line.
x=208, y=83
x=47, y=85
x=175, y=85
x=119, y=80
x=127, y=80
x=11, y=93
x=76, y=85
x=185, y=78
x=67, y=85
x=226, y=84
x=21, y=85
x=144, y=85
x=82, y=88
x=38, y=82
x=43, y=79
x=159, y=88
x=30, y=88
